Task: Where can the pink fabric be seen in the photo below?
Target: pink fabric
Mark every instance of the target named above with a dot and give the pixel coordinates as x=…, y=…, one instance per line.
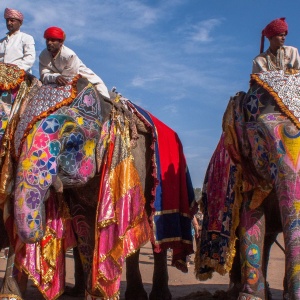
x=10, y=13
x=121, y=218
x=49, y=278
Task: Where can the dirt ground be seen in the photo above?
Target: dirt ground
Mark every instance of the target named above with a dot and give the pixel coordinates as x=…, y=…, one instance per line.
x=182, y=286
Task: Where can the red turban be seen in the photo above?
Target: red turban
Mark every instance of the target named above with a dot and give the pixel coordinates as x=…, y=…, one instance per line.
x=10, y=13
x=276, y=27
x=54, y=33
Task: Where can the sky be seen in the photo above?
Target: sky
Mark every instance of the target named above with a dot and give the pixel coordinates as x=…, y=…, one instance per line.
x=181, y=60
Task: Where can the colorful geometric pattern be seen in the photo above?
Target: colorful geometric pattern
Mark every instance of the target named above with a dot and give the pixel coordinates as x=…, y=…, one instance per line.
x=48, y=99
x=285, y=88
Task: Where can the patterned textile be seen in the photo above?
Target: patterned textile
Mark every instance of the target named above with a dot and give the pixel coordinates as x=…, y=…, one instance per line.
x=10, y=76
x=48, y=99
x=285, y=89
x=121, y=216
x=174, y=199
x=220, y=215
x=44, y=262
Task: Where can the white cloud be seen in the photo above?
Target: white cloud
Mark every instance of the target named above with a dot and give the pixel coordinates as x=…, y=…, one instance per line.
x=201, y=32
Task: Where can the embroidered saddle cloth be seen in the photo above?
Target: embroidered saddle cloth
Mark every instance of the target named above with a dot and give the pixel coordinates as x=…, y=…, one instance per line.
x=285, y=88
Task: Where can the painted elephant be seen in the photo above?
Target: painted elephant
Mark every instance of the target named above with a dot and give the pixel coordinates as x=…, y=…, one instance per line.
x=257, y=155
x=96, y=164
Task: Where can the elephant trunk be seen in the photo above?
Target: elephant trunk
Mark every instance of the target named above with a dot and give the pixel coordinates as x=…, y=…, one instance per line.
x=29, y=208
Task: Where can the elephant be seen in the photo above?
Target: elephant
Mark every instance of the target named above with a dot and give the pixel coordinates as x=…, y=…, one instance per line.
x=85, y=160
x=256, y=162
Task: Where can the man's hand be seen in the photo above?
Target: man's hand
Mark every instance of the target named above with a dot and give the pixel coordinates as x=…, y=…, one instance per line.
x=60, y=80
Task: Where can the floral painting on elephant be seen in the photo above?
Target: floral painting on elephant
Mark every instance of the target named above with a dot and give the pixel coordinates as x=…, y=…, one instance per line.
x=44, y=147
x=258, y=158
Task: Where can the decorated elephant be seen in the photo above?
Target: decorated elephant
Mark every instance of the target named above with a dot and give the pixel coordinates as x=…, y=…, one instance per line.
x=93, y=172
x=257, y=161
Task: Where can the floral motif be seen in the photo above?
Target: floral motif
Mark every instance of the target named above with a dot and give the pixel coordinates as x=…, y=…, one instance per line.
x=45, y=179
x=75, y=142
x=89, y=147
x=41, y=141
x=33, y=200
x=86, y=168
x=67, y=162
x=39, y=158
x=88, y=100
x=54, y=147
x=34, y=220
x=32, y=175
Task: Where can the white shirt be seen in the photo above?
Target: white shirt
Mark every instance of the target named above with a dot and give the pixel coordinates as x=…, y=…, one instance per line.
x=287, y=57
x=67, y=64
x=18, y=49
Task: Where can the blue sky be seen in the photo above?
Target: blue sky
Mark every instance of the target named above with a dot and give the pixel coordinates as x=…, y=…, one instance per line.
x=179, y=59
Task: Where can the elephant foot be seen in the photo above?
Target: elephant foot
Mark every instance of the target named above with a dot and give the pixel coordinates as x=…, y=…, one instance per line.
x=141, y=294
x=286, y=296
x=233, y=292
x=244, y=296
x=160, y=294
x=268, y=292
x=74, y=291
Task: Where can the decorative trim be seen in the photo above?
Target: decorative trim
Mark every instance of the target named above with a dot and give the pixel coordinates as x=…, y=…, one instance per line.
x=270, y=90
x=10, y=297
x=52, y=109
x=89, y=296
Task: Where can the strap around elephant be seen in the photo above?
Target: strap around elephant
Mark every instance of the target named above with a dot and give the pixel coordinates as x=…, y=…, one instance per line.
x=10, y=297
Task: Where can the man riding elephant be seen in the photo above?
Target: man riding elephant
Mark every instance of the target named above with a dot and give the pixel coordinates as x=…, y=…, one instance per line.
x=17, y=47
x=59, y=64
x=277, y=56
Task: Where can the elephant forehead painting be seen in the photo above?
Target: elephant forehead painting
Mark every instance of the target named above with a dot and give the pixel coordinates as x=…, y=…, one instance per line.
x=65, y=138
x=258, y=153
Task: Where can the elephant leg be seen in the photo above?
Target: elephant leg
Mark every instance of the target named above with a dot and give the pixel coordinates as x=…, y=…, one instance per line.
x=270, y=238
x=291, y=233
x=79, y=288
x=134, y=289
x=235, y=275
x=160, y=288
x=252, y=231
x=15, y=282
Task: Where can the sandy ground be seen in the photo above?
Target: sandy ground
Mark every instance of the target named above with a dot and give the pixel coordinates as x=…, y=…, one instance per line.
x=181, y=285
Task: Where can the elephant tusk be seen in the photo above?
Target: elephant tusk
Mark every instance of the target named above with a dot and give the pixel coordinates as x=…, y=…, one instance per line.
x=58, y=185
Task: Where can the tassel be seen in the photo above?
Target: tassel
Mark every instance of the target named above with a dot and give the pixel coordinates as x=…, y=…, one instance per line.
x=262, y=43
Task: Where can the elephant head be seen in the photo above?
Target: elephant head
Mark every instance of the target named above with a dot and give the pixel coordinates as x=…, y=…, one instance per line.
x=57, y=148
